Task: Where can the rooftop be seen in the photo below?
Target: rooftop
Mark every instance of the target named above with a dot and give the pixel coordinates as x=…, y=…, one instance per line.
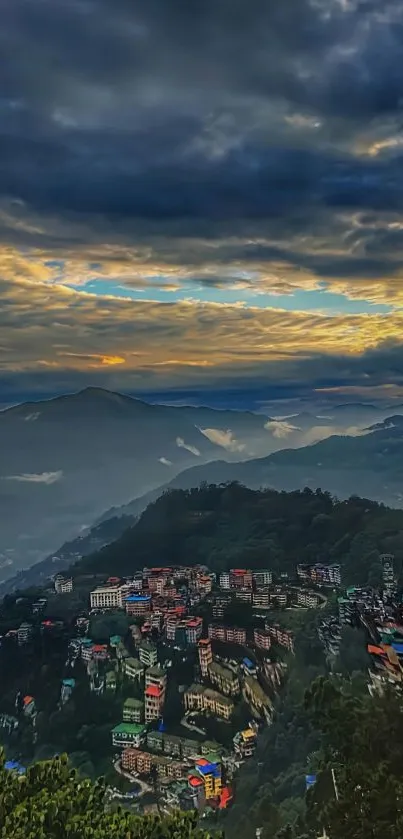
x=134, y=663
x=147, y=647
x=153, y=690
x=224, y=672
x=128, y=728
x=138, y=598
x=156, y=671
x=133, y=703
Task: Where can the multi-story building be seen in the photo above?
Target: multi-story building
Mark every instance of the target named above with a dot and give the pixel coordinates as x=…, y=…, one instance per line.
x=198, y=698
x=347, y=611
x=133, y=668
x=144, y=762
x=99, y=652
x=205, y=655
x=156, y=676
x=261, y=599
x=262, y=639
x=248, y=667
x=262, y=578
x=224, y=580
x=133, y=710
x=25, y=633
x=138, y=605
x=63, y=585
x=322, y=575
x=255, y=695
x=194, y=630
x=181, y=747
x=154, y=695
x=224, y=678
x=281, y=636
x=203, y=584
x=154, y=702
x=86, y=646
x=279, y=597
x=245, y=743
x=220, y=605
x=388, y=576
x=244, y=595
x=128, y=734
x=183, y=632
x=106, y=597
x=210, y=773
x=227, y=634
x=308, y=599
x=240, y=578
x=148, y=654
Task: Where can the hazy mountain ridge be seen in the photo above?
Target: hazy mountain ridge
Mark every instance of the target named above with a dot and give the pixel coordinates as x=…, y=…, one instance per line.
x=64, y=461
x=368, y=464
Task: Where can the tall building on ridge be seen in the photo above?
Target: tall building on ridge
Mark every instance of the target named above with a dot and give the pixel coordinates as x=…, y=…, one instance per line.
x=388, y=576
x=205, y=655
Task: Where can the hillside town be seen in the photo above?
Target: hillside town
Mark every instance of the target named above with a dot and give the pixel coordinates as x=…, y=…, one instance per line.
x=234, y=669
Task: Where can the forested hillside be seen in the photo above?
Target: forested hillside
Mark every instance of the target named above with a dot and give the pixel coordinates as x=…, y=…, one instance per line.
x=53, y=802
x=227, y=525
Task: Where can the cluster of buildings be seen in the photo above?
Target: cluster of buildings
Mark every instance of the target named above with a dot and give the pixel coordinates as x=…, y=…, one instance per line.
x=320, y=575
x=153, y=590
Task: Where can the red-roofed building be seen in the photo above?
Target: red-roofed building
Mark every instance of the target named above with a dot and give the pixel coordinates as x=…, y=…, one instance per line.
x=100, y=652
x=154, y=702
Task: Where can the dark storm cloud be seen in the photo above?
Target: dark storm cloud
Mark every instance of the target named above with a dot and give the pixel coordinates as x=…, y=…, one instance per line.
x=117, y=109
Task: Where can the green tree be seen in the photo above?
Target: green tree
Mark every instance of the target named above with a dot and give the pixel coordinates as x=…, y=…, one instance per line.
x=52, y=802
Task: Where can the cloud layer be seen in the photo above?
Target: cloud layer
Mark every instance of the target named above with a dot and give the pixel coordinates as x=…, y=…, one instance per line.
x=201, y=194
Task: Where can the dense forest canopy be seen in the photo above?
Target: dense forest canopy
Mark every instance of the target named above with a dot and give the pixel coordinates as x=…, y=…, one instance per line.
x=228, y=525
x=53, y=802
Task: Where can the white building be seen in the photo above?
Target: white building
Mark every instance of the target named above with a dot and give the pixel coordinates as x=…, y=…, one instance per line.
x=148, y=654
x=308, y=599
x=262, y=578
x=224, y=581
x=106, y=597
x=63, y=585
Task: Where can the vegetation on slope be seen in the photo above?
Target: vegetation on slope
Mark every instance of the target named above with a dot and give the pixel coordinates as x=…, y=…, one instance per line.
x=228, y=525
x=52, y=802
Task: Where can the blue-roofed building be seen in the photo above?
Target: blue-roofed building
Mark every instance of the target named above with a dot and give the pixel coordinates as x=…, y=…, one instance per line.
x=249, y=667
x=397, y=647
x=138, y=605
x=310, y=780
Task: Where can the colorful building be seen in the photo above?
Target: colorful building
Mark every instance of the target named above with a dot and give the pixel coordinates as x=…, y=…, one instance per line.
x=262, y=639
x=128, y=734
x=154, y=702
x=245, y=743
x=138, y=605
x=227, y=634
x=210, y=773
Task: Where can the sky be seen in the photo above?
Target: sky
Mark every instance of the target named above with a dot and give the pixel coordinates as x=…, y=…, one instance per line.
x=202, y=197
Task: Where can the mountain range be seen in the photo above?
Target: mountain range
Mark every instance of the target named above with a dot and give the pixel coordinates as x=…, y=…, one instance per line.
x=109, y=448
x=64, y=461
